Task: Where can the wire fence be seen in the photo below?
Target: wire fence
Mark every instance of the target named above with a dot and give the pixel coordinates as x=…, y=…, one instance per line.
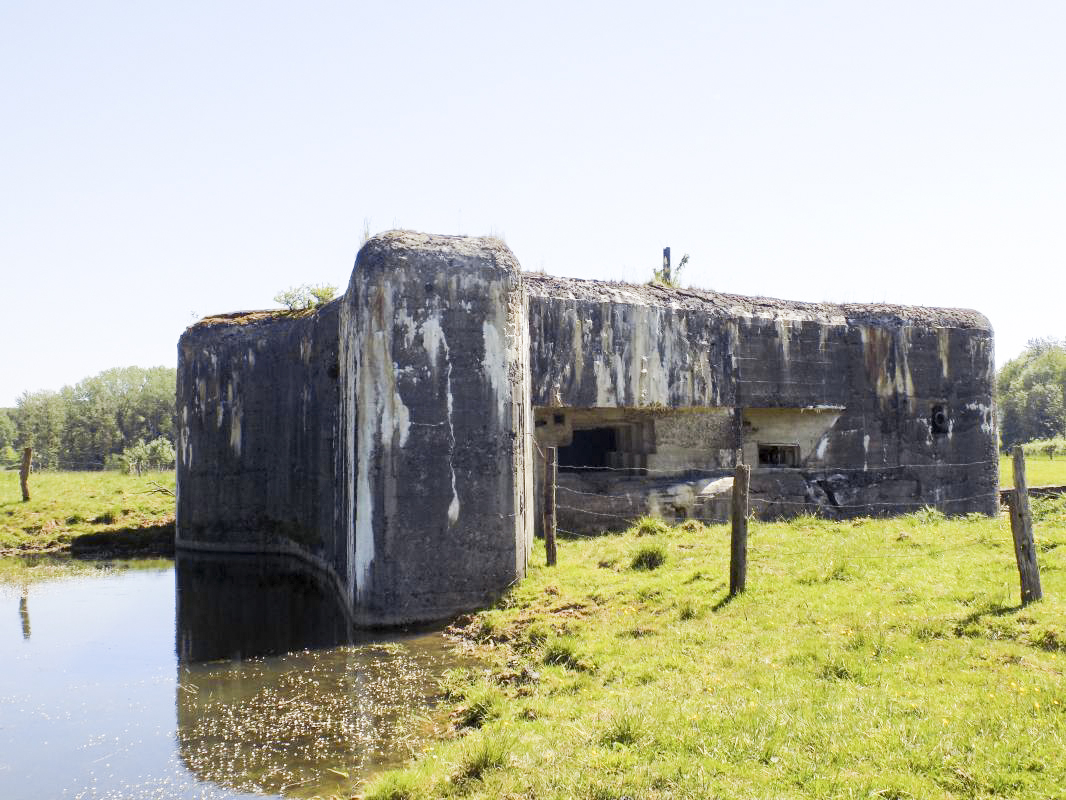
x=591, y=509
x=726, y=472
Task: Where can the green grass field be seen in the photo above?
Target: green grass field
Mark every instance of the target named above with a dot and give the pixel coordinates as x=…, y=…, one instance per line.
x=873, y=659
x=869, y=658
x=65, y=505
x=1039, y=471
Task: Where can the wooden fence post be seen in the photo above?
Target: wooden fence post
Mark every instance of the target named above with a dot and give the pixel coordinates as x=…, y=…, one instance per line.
x=738, y=549
x=551, y=472
x=1021, y=528
x=24, y=473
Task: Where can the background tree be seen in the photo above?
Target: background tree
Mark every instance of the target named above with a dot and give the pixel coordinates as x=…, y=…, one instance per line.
x=89, y=425
x=1031, y=393
x=8, y=435
x=301, y=298
x=40, y=418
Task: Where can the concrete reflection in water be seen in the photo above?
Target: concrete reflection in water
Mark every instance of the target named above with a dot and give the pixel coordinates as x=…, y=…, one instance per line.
x=249, y=606
x=335, y=706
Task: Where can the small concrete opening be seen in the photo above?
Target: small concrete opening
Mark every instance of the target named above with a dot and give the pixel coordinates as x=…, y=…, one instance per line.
x=590, y=450
x=938, y=419
x=779, y=455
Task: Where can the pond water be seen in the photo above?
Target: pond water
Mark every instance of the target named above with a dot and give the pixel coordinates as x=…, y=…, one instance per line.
x=218, y=679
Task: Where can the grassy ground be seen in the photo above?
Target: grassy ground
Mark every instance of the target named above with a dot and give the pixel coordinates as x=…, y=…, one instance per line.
x=86, y=510
x=1039, y=471
x=884, y=659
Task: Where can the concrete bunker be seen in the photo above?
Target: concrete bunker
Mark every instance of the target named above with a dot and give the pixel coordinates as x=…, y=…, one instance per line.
x=393, y=438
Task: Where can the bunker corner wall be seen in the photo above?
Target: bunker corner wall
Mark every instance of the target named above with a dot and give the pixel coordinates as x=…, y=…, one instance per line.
x=257, y=420
x=436, y=414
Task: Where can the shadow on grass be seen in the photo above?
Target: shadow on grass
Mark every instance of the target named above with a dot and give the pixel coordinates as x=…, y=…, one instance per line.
x=155, y=540
x=994, y=610
x=723, y=602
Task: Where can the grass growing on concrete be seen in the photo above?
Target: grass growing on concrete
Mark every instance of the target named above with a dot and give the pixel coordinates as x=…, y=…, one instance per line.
x=89, y=509
x=869, y=658
x=1039, y=471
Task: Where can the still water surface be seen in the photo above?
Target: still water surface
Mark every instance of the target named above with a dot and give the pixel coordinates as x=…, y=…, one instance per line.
x=133, y=682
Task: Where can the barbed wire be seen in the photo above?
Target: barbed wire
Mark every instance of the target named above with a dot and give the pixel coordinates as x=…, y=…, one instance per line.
x=913, y=505
x=629, y=496
x=725, y=472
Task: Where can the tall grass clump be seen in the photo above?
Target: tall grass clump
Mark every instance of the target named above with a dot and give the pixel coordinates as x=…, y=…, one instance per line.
x=482, y=754
x=650, y=526
x=649, y=556
x=482, y=703
x=563, y=652
x=624, y=729
x=400, y=785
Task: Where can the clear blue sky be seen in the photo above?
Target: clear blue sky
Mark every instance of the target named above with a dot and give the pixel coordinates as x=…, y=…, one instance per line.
x=163, y=161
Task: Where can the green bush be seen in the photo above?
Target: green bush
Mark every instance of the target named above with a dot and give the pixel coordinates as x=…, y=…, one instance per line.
x=301, y=298
x=1045, y=447
x=156, y=454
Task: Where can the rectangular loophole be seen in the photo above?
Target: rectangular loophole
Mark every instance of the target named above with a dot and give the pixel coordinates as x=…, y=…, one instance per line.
x=589, y=450
x=779, y=455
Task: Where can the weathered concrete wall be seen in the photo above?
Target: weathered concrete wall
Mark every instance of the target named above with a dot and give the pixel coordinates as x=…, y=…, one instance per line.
x=258, y=431
x=435, y=404
x=854, y=387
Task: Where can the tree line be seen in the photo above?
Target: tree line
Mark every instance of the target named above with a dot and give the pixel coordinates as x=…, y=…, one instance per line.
x=1031, y=395
x=123, y=417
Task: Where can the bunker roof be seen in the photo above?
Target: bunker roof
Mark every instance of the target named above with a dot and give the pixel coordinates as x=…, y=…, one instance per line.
x=733, y=305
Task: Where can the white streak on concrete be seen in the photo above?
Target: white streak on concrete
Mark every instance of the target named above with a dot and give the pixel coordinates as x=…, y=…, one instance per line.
x=987, y=417
x=184, y=442
x=784, y=332
x=453, y=507
x=943, y=336
x=236, y=419
x=435, y=342
x=221, y=407
x=433, y=339
x=410, y=327
x=495, y=363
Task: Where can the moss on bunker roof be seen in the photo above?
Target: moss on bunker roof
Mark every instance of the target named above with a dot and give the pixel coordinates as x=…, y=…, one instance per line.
x=551, y=287
x=239, y=318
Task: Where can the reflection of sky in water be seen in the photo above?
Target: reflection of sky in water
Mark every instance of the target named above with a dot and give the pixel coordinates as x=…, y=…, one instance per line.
x=90, y=705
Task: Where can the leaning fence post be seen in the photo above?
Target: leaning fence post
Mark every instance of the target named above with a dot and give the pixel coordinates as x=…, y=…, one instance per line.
x=738, y=549
x=24, y=473
x=1021, y=528
x=551, y=471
